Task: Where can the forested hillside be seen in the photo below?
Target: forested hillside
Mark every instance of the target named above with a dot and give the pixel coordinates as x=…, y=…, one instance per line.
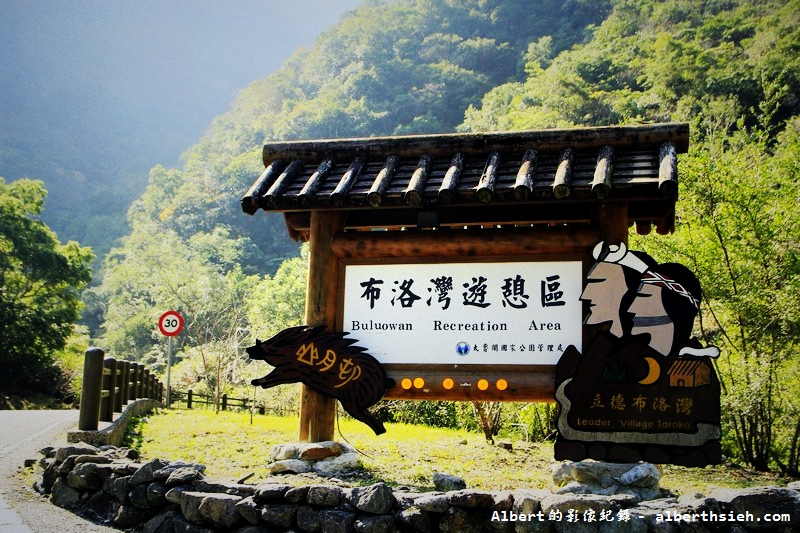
x=387, y=68
x=731, y=68
x=93, y=93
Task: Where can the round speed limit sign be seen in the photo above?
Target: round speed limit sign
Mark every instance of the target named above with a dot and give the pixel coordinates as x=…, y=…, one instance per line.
x=170, y=323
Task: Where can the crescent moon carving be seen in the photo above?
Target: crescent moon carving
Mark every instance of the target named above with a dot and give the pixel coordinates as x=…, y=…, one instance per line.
x=653, y=373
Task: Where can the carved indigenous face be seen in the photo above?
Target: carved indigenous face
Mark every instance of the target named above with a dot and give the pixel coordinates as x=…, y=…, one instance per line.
x=649, y=316
x=605, y=287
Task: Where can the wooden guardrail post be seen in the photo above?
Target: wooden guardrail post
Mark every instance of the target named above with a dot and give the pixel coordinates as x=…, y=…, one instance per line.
x=148, y=387
x=145, y=390
x=107, y=390
x=122, y=397
x=136, y=377
x=131, y=395
x=143, y=384
x=116, y=387
x=140, y=381
x=90, y=392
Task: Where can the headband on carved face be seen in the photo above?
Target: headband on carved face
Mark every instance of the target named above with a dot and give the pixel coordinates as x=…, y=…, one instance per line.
x=654, y=278
x=618, y=253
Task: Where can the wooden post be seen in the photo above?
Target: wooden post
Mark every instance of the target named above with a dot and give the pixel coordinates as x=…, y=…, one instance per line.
x=107, y=393
x=612, y=218
x=136, y=381
x=139, y=381
x=317, y=411
x=122, y=396
x=90, y=393
x=145, y=386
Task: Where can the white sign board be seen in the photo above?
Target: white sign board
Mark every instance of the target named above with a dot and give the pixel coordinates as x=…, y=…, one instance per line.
x=465, y=313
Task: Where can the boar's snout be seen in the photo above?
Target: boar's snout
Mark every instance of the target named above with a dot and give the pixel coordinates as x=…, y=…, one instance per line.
x=255, y=352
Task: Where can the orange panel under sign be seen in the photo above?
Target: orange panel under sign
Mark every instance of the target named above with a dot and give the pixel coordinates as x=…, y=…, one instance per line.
x=471, y=382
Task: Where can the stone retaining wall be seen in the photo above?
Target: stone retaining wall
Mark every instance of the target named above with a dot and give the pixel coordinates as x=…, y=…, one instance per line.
x=109, y=485
x=114, y=433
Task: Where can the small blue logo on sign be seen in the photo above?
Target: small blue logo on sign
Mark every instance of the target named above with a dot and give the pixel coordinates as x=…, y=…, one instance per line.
x=462, y=348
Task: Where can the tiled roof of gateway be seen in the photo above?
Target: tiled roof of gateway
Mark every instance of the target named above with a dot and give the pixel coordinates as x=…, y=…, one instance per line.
x=521, y=178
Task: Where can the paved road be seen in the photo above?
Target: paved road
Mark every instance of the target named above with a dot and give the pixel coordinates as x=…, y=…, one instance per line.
x=23, y=510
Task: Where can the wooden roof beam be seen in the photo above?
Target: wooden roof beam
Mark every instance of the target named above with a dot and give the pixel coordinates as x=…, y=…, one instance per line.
x=478, y=144
x=523, y=186
x=382, y=181
x=601, y=184
x=451, y=178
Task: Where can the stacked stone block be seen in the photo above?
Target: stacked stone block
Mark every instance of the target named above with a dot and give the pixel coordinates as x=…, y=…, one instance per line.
x=109, y=485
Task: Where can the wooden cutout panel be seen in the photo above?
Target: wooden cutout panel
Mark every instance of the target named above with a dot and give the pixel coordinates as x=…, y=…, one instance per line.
x=641, y=389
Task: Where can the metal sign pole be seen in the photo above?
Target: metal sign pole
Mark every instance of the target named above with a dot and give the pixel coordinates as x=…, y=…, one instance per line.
x=169, y=365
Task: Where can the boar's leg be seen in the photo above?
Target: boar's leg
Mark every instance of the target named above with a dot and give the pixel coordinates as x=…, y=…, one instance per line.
x=279, y=376
x=361, y=414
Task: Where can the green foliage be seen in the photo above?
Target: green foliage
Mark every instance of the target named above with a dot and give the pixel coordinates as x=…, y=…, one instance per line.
x=200, y=275
x=133, y=437
x=396, y=67
x=738, y=230
x=651, y=61
x=453, y=415
x=537, y=419
x=278, y=302
x=70, y=362
x=156, y=270
x=40, y=280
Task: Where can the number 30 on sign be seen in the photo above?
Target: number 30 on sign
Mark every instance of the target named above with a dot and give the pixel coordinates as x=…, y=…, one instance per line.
x=170, y=323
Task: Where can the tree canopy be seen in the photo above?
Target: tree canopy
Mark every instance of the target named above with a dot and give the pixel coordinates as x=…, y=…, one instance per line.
x=709, y=63
x=40, y=283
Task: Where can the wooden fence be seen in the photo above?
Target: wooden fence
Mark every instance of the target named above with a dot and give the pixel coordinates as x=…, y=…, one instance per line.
x=109, y=384
x=192, y=399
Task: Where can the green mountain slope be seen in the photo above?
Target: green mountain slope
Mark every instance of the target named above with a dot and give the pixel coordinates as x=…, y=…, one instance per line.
x=711, y=63
x=435, y=66
x=387, y=68
x=93, y=94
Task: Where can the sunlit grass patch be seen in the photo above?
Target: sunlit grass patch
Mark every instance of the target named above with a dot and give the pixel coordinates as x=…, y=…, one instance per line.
x=231, y=447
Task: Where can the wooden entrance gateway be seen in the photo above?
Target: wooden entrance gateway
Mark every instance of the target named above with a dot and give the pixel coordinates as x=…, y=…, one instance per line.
x=522, y=197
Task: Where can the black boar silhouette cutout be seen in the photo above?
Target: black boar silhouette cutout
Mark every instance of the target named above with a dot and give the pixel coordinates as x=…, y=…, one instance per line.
x=328, y=363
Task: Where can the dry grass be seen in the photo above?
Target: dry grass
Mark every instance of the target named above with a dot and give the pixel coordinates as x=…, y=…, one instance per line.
x=406, y=455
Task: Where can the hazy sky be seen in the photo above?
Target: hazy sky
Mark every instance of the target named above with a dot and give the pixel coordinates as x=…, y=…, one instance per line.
x=106, y=64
